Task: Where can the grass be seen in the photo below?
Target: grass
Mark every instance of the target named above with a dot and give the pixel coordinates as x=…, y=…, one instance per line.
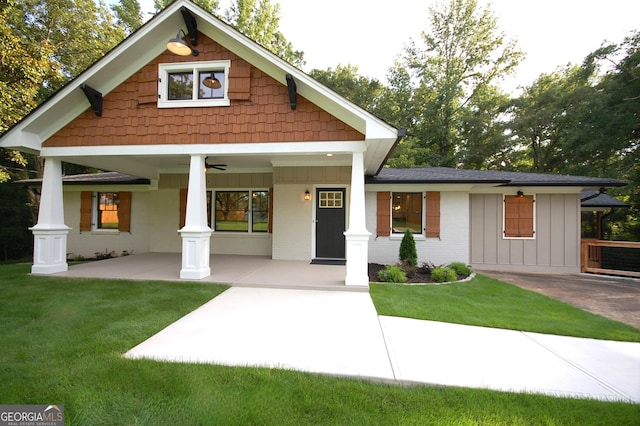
x=62, y=341
x=487, y=302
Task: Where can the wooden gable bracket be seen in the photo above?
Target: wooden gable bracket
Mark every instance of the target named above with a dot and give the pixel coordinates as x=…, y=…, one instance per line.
x=192, y=25
x=94, y=97
x=291, y=85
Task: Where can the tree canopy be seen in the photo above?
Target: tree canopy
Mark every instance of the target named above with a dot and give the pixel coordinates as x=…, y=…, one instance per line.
x=444, y=89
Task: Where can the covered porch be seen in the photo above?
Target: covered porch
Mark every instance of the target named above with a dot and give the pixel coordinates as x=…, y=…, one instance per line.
x=234, y=270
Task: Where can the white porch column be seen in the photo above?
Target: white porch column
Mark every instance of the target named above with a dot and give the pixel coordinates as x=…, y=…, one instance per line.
x=196, y=234
x=357, y=236
x=50, y=233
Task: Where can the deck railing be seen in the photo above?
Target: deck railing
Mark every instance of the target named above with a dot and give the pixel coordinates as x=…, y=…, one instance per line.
x=610, y=257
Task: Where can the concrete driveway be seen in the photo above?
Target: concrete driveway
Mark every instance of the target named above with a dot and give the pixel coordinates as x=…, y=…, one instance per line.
x=610, y=297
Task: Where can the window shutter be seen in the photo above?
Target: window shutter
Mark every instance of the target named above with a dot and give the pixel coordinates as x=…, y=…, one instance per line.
x=183, y=207
x=270, y=213
x=518, y=216
x=383, y=214
x=86, y=202
x=433, y=214
x=124, y=211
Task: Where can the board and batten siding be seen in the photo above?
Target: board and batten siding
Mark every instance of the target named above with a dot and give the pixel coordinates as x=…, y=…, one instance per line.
x=554, y=248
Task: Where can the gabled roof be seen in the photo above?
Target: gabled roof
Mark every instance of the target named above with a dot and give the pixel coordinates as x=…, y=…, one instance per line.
x=148, y=42
x=499, y=178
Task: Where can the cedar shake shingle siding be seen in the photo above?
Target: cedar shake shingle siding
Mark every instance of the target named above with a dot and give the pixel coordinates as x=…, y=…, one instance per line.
x=259, y=112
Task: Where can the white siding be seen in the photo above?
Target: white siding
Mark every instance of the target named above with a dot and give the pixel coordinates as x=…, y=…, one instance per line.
x=453, y=244
x=292, y=222
x=88, y=243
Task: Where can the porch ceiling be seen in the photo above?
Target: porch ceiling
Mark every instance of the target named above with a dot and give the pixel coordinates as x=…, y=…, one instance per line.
x=151, y=166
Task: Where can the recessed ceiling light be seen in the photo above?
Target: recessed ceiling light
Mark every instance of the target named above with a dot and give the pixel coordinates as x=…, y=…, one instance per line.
x=329, y=155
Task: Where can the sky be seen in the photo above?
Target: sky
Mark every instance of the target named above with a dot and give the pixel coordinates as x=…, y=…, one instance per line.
x=371, y=34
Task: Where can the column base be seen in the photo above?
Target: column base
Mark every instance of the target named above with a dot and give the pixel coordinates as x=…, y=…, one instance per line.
x=357, y=258
x=49, y=249
x=195, y=254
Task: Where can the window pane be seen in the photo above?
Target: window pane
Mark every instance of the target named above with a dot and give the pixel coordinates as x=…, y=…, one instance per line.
x=211, y=85
x=260, y=211
x=407, y=212
x=107, y=210
x=232, y=211
x=180, y=85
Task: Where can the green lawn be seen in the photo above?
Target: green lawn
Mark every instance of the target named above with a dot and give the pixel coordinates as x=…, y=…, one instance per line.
x=62, y=341
x=487, y=302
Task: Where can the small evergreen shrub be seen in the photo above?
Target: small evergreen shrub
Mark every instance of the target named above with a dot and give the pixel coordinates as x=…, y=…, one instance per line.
x=443, y=274
x=408, y=252
x=460, y=268
x=392, y=274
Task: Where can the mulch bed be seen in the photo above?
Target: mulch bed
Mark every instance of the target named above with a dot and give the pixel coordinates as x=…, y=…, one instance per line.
x=420, y=275
x=417, y=276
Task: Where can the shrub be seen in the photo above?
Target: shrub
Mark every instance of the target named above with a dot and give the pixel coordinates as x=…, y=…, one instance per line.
x=443, y=274
x=460, y=268
x=408, y=252
x=392, y=274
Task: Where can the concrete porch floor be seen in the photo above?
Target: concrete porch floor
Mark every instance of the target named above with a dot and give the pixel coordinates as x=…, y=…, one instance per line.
x=234, y=270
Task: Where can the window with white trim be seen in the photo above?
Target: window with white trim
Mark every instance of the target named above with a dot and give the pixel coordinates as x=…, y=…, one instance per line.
x=193, y=84
x=242, y=211
x=406, y=212
x=107, y=210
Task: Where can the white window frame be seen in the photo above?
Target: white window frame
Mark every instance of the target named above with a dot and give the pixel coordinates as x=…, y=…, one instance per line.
x=95, y=200
x=196, y=68
x=250, y=223
x=417, y=236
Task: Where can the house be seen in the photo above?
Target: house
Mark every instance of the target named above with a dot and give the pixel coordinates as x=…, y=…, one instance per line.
x=231, y=150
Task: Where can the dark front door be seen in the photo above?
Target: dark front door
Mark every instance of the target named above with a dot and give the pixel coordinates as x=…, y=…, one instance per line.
x=330, y=222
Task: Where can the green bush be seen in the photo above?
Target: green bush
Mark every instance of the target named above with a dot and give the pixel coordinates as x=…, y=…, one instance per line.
x=392, y=274
x=408, y=252
x=460, y=268
x=443, y=274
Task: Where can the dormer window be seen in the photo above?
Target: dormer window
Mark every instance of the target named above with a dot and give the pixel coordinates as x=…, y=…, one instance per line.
x=193, y=84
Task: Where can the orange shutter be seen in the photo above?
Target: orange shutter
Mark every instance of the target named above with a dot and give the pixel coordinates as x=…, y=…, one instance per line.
x=86, y=201
x=183, y=207
x=384, y=214
x=433, y=214
x=518, y=216
x=124, y=211
x=270, y=213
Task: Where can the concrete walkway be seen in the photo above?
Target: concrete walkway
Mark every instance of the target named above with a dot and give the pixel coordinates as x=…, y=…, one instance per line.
x=340, y=333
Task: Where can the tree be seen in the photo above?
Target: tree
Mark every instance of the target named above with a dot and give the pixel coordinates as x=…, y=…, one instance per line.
x=461, y=57
x=128, y=14
x=259, y=20
x=208, y=5
x=546, y=116
x=22, y=70
x=77, y=32
x=346, y=81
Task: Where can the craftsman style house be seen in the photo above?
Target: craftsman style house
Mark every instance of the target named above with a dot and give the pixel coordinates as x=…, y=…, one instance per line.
x=217, y=146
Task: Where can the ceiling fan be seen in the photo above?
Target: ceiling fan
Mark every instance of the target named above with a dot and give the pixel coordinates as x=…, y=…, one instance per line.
x=214, y=166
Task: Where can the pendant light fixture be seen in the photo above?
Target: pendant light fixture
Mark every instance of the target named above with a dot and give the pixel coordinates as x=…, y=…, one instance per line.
x=212, y=82
x=180, y=46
